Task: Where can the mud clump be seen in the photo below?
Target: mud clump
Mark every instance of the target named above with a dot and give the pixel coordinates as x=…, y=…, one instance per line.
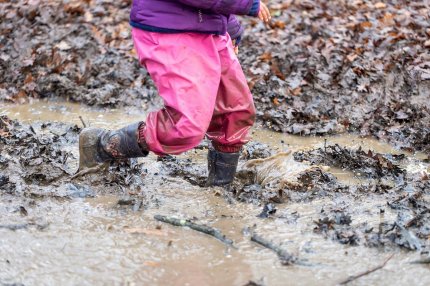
x=256, y=150
x=35, y=153
x=411, y=233
x=184, y=168
x=368, y=163
x=280, y=179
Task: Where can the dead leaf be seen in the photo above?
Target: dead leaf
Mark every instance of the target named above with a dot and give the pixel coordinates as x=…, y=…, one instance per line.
x=380, y=5
x=63, y=45
x=351, y=57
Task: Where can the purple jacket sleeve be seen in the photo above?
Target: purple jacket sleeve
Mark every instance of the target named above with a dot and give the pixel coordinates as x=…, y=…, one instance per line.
x=226, y=7
x=234, y=28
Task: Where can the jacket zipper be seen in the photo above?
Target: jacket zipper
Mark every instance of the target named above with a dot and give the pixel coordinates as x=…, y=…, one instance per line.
x=200, y=16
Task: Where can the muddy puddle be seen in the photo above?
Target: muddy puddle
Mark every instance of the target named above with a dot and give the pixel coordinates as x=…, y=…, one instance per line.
x=85, y=237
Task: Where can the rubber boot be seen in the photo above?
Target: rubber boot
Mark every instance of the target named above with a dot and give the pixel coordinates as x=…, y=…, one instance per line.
x=97, y=145
x=222, y=167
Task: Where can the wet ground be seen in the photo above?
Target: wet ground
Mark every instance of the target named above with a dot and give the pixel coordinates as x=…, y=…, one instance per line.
x=318, y=68
x=339, y=204
x=336, y=215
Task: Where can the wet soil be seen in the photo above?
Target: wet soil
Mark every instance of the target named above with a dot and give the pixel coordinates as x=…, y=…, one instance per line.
x=340, y=203
x=318, y=68
x=329, y=201
x=79, y=51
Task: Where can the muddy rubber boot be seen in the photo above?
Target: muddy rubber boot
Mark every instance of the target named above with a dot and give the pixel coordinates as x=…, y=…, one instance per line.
x=222, y=167
x=97, y=145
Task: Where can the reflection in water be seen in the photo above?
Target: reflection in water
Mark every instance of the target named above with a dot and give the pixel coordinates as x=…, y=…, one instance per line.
x=96, y=242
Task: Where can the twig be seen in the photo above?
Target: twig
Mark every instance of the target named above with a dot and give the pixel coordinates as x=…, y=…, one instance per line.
x=83, y=122
x=286, y=258
x=14, y=226
x=101, y=167
x=23, y=226
x=198, y=227
x=352, y=278
x=416, y=218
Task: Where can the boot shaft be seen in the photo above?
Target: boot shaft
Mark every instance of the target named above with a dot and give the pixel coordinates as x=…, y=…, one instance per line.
x=222, y=167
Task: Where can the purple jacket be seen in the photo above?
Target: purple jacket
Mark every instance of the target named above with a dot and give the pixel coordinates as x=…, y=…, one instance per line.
x=202, y=16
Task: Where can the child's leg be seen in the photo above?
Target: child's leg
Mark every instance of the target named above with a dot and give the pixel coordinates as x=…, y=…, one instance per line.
x=234, y=108
x=186, y=70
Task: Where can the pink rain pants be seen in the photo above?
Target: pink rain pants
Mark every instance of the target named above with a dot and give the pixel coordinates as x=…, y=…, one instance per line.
x=204, y=91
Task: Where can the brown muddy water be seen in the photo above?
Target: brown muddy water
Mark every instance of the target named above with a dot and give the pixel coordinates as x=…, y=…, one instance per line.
x=94, y=241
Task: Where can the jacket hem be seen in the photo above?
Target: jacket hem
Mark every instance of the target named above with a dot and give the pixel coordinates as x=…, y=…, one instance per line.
x=170, y=31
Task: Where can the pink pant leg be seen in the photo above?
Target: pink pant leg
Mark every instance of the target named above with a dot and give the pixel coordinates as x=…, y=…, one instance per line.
x=234, y=108
x=186, y=70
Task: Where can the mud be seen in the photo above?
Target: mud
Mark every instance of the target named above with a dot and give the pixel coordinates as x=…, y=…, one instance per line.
x=322, y=68
x=301, y=207
x=318, y=68
x=340, y=203
x=79, y=51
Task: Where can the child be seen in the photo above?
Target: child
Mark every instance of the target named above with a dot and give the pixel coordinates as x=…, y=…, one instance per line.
x=187, y=48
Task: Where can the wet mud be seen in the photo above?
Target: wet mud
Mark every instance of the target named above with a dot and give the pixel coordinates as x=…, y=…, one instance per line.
x=337, y=203
x=327, y=67
x=38, y=161
x=279, y=193
x=79, y=51
x=318, y=68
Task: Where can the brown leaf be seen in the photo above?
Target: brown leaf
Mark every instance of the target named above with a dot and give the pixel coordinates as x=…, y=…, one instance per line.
x=276, y=70
x=297, y=91
x=387, y=20
x=365, y=25
x=266, y=57
x=29, y=78
x=380, y=5
x=278, y=25
x=351, y=57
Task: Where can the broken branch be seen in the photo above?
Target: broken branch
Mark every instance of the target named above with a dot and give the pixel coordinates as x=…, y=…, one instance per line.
x=285, y=257
x=83, y=122
x=198, y=227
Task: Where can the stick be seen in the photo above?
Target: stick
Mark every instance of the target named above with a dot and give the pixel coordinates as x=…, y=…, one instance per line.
x=198, y=227
x=101, y=167
x=285, y=257
x=23, y=226
x=83, y=122
x=14, y=226
x=352, y=278
x=416, y=218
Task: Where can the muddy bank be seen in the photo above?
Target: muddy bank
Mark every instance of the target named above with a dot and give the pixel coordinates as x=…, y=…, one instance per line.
x=318, y=68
